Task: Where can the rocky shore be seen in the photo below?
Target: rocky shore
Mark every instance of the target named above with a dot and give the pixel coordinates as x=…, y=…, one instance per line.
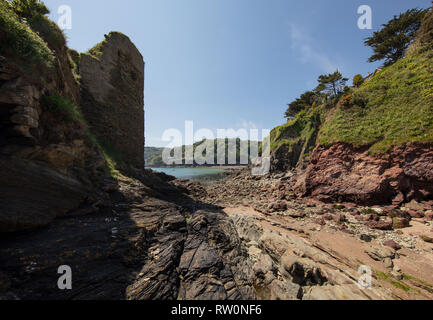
x=150, y=242
x=73, y=192
x=301, y=248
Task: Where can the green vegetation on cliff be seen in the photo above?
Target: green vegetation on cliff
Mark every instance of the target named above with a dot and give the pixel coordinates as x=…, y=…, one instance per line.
x=153, y=156
x=297, y=138
x=65, y=110
x=49, y=31
x=96, y=51
x=18, y=38
x=64, y=107
x=393, y=108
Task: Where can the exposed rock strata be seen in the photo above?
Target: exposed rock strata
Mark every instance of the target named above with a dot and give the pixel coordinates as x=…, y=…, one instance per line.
x=314, y=249
x=343, y=173
x=47, y=168
x=139, y=248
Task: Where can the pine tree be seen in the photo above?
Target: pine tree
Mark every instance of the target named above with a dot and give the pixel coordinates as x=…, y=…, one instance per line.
x=391, y=42
x=332, y=84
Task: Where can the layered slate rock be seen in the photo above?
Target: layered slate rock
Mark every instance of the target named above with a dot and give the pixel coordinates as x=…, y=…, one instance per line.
x=32, y=195
x=112, y=84
x=45, y=161
x=140, y=248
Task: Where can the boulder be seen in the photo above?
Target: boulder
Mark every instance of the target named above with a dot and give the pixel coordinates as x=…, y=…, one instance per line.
x=415, y=214
x=366, y=238
x=273, y=244
x=392, y=244
x=379, y=225
x=303, y=271
x=427, y=239
x=388, y=263
x=278, y=206
x=415, y=206
x=263, y=265
x=400, y=223
x=321, y=221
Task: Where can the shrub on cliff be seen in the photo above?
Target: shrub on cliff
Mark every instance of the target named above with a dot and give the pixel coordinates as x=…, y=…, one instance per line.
x=293, y=141
x=32, y=12
x=358, y=80
x=48, y=30
x=347, y=100
x=18, y=39
x=29, y=8
x=304, y=101
x=63, y=107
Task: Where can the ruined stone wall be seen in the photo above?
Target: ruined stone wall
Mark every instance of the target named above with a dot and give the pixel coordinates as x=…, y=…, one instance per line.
x=112, y=84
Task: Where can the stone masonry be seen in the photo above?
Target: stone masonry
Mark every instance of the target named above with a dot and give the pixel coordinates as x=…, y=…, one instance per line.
x=112, y=85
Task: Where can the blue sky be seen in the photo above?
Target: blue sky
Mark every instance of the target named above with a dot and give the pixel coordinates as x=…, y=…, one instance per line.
x=230, y=63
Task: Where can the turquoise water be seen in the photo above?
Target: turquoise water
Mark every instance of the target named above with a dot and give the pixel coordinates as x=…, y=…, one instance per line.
x=196, y=174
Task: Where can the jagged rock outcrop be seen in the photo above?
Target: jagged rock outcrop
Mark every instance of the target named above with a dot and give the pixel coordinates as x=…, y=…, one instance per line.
x=112, y=88
x=344, y=173
x=46, y=170
x=140, y=248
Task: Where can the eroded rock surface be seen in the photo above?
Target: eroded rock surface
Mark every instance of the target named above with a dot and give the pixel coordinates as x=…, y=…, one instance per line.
x=315, y=250
x=140, y=247
x=343, y=173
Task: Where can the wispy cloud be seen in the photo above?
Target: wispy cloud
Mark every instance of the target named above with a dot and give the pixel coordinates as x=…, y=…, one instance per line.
x=304, y=46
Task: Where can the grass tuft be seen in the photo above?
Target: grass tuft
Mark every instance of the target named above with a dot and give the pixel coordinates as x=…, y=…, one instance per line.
x=63, y=107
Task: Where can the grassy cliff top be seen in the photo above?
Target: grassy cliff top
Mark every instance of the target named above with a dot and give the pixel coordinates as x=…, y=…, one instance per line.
x=18, y=39
x=392, y=109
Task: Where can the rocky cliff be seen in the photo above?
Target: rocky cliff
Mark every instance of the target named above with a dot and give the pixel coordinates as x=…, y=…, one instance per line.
x=374, y=145
x=46, y=167
x=343, y=173
x=73, y=189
